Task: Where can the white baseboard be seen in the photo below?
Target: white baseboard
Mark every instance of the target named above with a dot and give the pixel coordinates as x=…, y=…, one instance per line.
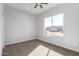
x=76, y=50
x=8, y=43
x=13, y=42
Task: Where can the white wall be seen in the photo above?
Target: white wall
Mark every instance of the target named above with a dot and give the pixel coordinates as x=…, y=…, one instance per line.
x=19, y=26
x=71, y=28
x=1, y=28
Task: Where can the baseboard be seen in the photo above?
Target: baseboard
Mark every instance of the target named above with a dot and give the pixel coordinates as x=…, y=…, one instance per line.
x=9, y=43
x=18, y=41
x=59, y=46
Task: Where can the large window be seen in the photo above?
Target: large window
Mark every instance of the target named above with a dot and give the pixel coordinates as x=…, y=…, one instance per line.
x=53, y=25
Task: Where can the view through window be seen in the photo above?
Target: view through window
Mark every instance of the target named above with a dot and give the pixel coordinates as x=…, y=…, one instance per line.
x=53, y=25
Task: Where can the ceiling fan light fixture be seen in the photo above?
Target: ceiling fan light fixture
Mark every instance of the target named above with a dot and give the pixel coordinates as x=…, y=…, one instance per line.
x=40, y=5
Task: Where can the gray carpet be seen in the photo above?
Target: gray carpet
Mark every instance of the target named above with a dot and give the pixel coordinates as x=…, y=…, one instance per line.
x=36, y=48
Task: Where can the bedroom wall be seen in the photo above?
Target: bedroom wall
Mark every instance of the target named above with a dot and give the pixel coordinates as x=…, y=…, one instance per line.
x=19, y=26
x=1, y=28
x=71, y=28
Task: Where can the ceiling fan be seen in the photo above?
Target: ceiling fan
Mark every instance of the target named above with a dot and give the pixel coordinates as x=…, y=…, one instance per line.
x=40, y=5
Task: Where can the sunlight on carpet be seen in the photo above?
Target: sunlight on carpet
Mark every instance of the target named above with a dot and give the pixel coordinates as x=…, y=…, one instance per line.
x=43, y=51
x=53, y=53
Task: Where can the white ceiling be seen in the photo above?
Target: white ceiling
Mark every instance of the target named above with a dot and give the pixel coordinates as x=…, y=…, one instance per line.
x=28, y=7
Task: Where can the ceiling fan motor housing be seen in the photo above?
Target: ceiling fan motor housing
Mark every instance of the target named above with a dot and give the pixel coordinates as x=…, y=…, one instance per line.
x=40, y=5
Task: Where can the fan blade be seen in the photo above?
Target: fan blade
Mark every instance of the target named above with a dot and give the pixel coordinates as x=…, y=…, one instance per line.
x=35, y=5
x=41, y=6
x=44, y=3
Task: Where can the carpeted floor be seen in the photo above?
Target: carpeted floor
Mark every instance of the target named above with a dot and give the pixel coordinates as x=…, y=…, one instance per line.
x=36, y=48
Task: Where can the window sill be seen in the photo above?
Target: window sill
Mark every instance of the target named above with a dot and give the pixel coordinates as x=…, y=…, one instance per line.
x=54, y=34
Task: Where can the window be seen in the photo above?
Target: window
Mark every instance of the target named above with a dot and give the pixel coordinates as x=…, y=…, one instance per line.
x=53, y=25
x=48, y=22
